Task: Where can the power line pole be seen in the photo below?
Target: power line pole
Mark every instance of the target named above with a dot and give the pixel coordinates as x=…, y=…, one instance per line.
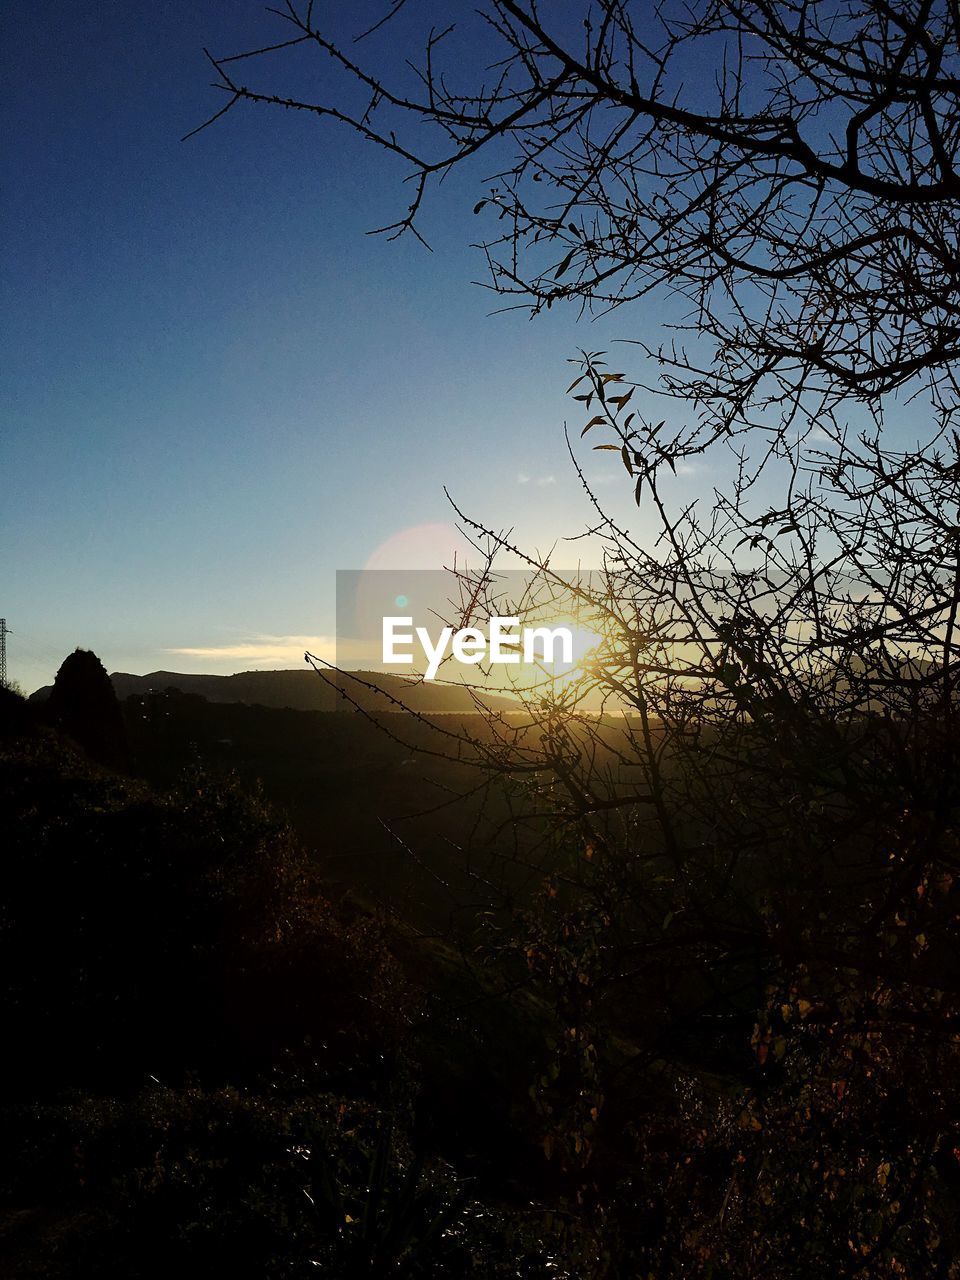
x=4, y=632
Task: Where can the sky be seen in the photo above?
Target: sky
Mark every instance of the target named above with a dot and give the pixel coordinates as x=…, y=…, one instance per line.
x=217, y=388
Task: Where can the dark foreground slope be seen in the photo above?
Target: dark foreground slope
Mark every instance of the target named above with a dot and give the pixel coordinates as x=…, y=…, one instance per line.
x=385, y=807
x=208, y=1054
x=221, y=1061
x=214, y=1067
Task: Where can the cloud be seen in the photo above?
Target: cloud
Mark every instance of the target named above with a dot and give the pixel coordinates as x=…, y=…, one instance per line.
x=545, y=480
x=522, y=478
x=263, y=650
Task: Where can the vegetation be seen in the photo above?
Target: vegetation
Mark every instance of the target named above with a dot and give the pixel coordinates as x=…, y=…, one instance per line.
x=84, y=705
x=215, y=1065
x=787, y=170
x=748, y=924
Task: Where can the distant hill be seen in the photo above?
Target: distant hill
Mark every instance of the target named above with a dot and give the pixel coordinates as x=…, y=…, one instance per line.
x=306, y=691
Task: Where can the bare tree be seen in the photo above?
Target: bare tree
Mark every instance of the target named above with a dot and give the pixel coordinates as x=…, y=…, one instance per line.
x=759, y=845
x=754, y=839
x=788, y=169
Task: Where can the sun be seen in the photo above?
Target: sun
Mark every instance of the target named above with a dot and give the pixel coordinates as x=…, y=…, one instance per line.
x=551, y=672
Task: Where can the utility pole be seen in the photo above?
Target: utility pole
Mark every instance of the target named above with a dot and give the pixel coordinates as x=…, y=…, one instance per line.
x=4, y=632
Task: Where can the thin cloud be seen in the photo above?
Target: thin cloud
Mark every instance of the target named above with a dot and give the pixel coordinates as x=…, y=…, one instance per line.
x=263, y=649
x=545, y=480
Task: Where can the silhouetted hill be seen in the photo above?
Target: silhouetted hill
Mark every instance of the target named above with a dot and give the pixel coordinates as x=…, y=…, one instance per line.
x=304, y=691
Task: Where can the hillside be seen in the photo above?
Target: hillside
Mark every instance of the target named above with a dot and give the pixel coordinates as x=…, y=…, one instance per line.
x=304, y=691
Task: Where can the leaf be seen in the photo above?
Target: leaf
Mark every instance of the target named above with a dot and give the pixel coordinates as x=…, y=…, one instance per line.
x=564, y=264
x=625, y=455
x=593, y=423
x=614, y=447
x=620, y=401
x=575, y=383
x=636, y=496
x=612, y=377
x=479, y=205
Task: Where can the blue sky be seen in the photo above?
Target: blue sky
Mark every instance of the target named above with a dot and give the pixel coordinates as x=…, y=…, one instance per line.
x=217, y=389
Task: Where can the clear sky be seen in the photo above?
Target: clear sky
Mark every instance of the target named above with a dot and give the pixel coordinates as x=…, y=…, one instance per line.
x=216, y=389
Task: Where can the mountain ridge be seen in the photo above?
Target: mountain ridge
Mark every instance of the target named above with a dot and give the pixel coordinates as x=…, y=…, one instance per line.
x=302, y=690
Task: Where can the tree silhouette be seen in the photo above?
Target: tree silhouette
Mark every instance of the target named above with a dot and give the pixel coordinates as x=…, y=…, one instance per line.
x=84, y=705
x=752, y=872
x=788, y=170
